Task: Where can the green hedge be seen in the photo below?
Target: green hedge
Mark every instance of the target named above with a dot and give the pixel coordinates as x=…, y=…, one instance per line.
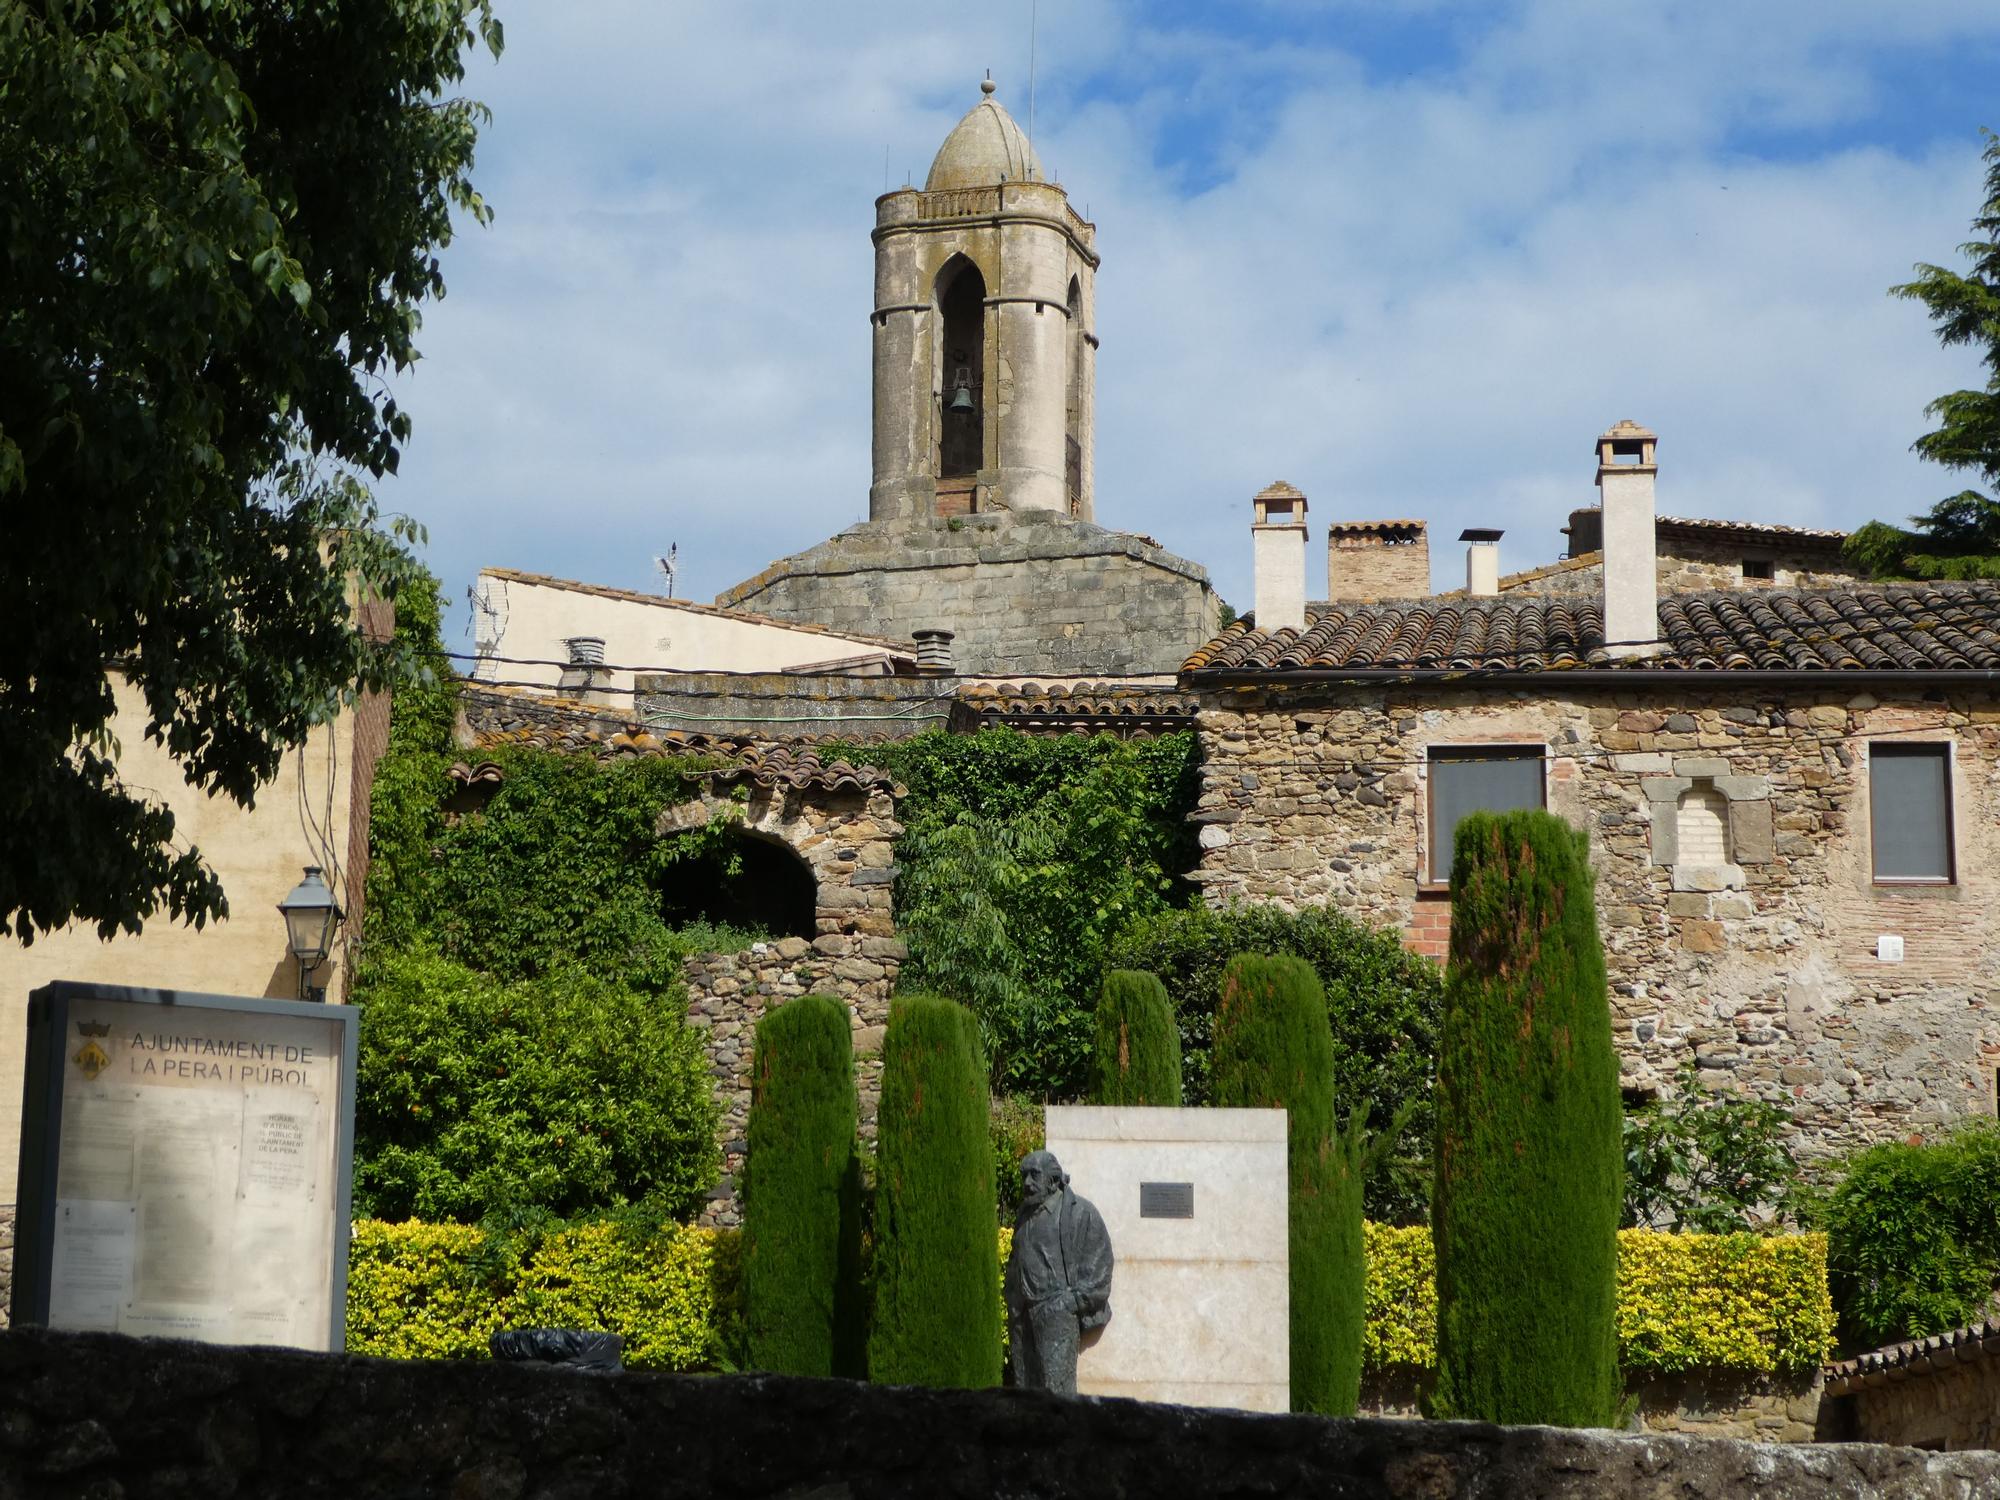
x=424, y=1291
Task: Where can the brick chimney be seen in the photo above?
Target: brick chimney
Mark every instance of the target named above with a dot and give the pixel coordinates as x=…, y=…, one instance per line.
x=1378, y=560
x=1482, y=561
x=1625, y=472
x=1278, y=540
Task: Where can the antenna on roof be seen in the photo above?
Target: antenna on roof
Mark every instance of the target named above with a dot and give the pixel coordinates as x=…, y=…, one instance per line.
x=1034, y=6
x=669, y=565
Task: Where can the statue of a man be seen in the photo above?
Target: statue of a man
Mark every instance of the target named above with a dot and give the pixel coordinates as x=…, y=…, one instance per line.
x=1058, y=1278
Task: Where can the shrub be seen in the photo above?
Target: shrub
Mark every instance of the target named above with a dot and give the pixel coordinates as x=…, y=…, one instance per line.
x=802, y=1194
x=1751, y=1303
x=1136, y=1058
x=1528, y=1178
x=566, y=1094
x=1382, y=1004
x=1273, y=1051
x=1016, y=1129
x=1699, y=1161
x=1914, y=1234
x=935, y=1266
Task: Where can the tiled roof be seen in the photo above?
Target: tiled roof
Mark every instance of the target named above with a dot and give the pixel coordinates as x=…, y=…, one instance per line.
x=1913, y=1357
x=1119, y=706
x=748, y=617
x=1708, y=526
x=1854, y=628
x=1368, y=528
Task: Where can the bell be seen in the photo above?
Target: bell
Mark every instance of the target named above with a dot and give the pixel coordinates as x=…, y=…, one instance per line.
x=961, y=399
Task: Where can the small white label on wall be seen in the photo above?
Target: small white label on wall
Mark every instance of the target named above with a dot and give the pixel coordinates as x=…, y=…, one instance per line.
x=1889, y=947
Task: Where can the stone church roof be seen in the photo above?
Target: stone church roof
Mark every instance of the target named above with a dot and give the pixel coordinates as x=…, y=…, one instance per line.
x=1866, y=627
x=984, y=148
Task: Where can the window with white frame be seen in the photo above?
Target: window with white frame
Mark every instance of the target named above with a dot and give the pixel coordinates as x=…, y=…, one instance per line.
x=1909, y=812
x=1478, y=778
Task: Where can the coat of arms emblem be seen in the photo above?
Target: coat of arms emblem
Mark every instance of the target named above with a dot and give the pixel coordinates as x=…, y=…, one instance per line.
x=91, y=1058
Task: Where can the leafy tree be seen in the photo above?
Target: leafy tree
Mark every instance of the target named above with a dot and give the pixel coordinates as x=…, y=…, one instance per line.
x=1136, y=1058
x=1524, y=1211
x=1706, y=1164
x=221, y=220
x=802, y=1194
x=1913, y=1235
x=564, y=1094
x=1273, y=1050
x=1382, y=1002
x=1958, y=537
x=937, y=1258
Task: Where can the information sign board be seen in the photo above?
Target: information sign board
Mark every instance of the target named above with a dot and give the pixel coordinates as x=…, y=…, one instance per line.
x=185, y=1166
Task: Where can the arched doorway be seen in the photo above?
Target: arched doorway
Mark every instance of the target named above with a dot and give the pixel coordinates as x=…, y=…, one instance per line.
x=772, y=890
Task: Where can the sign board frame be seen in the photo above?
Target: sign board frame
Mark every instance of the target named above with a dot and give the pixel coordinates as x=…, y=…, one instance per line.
x=49, y=1016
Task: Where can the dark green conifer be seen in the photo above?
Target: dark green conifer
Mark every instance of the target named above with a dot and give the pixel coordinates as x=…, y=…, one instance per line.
x=1529, y=1171
x=1274, y=1050
x=937, y=1266
x=1137, y=1057
x=801, y=1194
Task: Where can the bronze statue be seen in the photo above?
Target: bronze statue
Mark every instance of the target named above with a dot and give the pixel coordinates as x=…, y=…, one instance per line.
x=1058, y=1278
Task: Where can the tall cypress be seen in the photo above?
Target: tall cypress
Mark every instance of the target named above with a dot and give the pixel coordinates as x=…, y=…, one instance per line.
x=801, y=1194
x=1137, y=1056
x=1274, y=1050
x=937, y=1259
x=1529, y=1168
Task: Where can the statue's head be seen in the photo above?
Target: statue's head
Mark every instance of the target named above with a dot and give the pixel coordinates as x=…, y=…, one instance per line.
x=1042, y=1177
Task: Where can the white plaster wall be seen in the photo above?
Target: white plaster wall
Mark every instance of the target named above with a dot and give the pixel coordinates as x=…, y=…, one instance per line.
x=259, y=855
x=1200, y=1307
x=533, y=619
x=1279, y=576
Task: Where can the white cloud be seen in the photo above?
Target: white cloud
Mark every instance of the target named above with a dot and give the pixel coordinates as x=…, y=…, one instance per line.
x=1411, y=295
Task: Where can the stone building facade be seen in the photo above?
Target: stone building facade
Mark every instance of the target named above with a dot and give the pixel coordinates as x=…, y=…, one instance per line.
x=1726, y=784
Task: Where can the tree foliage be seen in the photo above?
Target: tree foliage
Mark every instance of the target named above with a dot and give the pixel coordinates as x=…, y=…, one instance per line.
x=1136, y=1056
x=1958, y=537
x=1913, y=1235
x=1273, y=1050
x=221, y=220
x=802, y=1194
x=1525, y=1201
x=1703, y=1163
x=937, y=1259
x=1382, y=1002
x=561, y=1094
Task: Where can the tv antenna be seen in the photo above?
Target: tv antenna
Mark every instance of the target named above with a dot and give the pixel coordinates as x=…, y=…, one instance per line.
x=669, y=565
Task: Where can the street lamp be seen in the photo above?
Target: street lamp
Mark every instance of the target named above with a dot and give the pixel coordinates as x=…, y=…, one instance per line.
x=311, y=915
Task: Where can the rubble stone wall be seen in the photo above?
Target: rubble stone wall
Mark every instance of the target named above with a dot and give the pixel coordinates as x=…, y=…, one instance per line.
x=1763, y=970
x=1957, y=1406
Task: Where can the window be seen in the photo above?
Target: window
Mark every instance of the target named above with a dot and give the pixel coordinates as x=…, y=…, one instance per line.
x=1758, y=567
x=1909, y=811
x=1477, y=778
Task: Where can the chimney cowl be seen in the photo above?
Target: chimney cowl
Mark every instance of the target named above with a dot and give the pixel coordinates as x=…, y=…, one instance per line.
x=934, y=653
x=1626, y=468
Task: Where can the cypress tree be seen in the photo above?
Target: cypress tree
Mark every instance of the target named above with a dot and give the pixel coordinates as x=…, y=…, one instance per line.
x=1274, y=1049
x=1137, y=1057
x=937, y=1259
x=1529, y=1166
x=801, y=1194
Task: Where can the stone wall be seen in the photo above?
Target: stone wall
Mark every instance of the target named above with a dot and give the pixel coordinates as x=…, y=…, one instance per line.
x=1950, y=1408
x=1698, y=1403
x=103, y=1416
x=757, y=704
x=729, y=992
x=1764, y=970
x=1033, y=594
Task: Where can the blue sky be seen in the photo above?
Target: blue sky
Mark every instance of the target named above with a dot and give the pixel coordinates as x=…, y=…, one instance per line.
x=1411, y=257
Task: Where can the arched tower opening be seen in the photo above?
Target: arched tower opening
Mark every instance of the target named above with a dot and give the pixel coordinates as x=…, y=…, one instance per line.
x=1073, y=418
x=961, y=301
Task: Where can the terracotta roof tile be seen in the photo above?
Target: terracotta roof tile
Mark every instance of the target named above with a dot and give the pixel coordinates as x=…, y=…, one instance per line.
x=1852, y=628
x=1084, y=705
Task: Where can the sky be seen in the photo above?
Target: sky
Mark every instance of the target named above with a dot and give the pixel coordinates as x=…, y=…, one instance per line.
x=1410, y=255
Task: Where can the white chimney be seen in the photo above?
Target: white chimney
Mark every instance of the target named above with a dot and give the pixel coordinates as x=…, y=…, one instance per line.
x=1278, y=540
x=1482, y=561
x=1625, y=470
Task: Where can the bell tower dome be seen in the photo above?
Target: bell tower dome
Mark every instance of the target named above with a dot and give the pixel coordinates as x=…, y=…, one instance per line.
x=984, y=334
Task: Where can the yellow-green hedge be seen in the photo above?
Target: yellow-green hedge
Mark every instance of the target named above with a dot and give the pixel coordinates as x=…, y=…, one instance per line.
x=423, y=1291
x=1685, y=1301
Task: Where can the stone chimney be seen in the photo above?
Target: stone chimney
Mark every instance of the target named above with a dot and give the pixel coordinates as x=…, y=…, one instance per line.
x=1482, y=561
x=1625, y=471
x=1278, y=540
x=1378, y=560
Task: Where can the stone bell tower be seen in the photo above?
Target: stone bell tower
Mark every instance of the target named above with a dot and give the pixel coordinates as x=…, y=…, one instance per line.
x=983, y=327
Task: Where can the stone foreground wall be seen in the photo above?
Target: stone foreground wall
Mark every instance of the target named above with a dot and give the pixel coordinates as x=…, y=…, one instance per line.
x=100, y=1415
x=1763, y=971
x=1026, y=595
x=1696, y=1403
